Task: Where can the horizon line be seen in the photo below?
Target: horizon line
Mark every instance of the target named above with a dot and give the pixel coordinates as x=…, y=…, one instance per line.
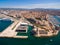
x=29, y=8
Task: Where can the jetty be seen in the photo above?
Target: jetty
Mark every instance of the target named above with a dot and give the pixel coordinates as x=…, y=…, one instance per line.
x=12, y=32
x=19, y=29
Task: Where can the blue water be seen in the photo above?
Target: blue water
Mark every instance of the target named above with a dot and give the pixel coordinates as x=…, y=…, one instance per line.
x=55, y=40
x=29, y=41
x=58, y=18
x=4, y=24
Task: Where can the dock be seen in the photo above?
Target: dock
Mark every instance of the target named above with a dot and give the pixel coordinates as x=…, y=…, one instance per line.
x=11, y=30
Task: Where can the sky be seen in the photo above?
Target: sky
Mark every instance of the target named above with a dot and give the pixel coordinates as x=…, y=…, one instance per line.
x=30, y=4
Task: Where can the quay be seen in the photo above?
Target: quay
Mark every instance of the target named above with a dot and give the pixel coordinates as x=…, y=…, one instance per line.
x=19, y=29
x=11, y=30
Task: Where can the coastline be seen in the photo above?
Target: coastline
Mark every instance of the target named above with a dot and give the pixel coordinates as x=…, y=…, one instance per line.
x=48, y=35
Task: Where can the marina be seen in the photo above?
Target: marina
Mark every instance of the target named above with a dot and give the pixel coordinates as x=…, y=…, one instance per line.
x=29, y=22
x=54, y=20
x=21, y=31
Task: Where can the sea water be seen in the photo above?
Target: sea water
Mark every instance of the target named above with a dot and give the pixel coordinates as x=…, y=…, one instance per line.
x=4, y=24
x=54, y=40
